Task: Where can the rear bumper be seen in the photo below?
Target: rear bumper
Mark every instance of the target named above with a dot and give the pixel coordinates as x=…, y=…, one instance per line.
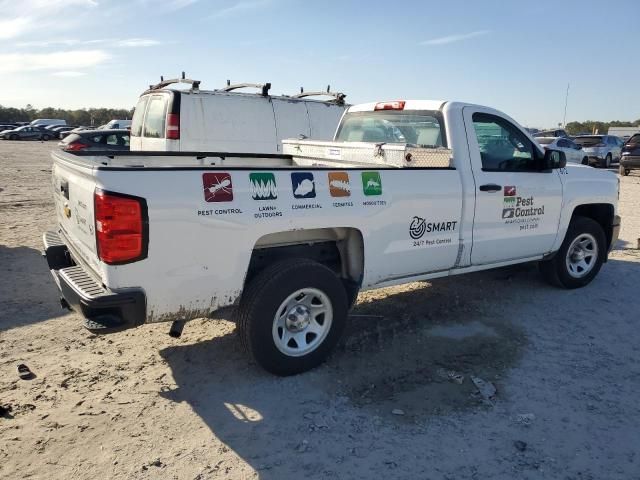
x=615, y=232
x=629, y=161
x=104, y=310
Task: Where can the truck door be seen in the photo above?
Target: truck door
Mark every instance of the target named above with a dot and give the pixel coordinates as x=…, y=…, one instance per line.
x=518, y=205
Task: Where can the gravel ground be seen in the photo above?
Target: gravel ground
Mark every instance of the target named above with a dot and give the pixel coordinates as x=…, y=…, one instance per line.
x=408, y=394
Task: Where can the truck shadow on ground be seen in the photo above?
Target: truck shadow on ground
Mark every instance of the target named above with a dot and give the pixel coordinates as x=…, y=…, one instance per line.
x=28, y=294
x=415, y=350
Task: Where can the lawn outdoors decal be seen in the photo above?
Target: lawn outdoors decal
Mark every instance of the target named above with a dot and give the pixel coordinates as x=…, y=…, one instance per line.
x=263, y=186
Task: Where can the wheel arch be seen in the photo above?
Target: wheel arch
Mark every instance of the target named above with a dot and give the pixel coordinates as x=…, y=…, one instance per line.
x=339, y=248
x=602, y=213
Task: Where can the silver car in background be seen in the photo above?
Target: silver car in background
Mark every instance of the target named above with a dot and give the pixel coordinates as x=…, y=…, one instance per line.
x=572, y=151
x=602, y=150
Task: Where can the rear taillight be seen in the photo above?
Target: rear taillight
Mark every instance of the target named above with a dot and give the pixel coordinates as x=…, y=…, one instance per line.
x=121, y=227
x=397, y=105
x=173, y=126
x=75, y=146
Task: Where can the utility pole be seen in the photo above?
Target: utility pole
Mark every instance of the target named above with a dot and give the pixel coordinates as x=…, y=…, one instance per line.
x=566, y=101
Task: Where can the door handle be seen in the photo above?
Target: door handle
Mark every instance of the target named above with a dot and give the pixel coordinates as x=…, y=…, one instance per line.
x=490, y=187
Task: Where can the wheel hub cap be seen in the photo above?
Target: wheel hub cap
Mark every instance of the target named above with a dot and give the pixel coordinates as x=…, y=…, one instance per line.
x=298, y=318
x=582, y=255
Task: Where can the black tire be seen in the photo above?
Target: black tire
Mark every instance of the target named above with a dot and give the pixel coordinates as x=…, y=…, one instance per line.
x=623, y=171
x=265, y=294
x=46, y=138
x=13, y=136
x=607, y=161
x=555, y=270
x=585, y=161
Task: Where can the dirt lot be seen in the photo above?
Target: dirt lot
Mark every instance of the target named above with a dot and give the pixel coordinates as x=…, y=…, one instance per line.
x=139, y=404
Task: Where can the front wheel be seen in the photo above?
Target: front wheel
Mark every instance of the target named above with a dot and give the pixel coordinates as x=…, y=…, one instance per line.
x=291, y=315
x=607, y=161
x=580, y=257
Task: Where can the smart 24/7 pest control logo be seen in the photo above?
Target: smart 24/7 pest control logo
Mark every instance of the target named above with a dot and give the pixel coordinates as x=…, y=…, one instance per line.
x=518, y=209
x=417, y=227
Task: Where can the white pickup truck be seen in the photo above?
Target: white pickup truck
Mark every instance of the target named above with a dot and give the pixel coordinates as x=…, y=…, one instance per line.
x=409, y=190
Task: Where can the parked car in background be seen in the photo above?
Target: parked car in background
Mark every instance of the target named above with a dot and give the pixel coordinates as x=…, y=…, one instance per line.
x=116, y=124
x=630, y=159
x=59, y=130
x=572, y=150
x=63, y=134
x=27, y=133
x=559, y=132
x=96, y=140
x=602, y=150
x=7, y=126
x=47, y=121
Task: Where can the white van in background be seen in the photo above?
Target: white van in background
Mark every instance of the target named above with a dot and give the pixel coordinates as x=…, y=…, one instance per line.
x=228, y=121
x=43, y=122
x=116, y=125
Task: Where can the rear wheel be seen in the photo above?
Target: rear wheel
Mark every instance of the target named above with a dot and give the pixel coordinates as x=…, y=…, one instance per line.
x=46, y=138
x=291, y=315
x=580, y=257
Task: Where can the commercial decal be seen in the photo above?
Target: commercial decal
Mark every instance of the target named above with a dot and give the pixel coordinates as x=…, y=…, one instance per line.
x=304, y=188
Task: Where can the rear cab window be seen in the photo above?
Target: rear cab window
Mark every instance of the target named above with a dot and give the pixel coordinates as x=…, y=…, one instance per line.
x=423, y=128
x=155, y=119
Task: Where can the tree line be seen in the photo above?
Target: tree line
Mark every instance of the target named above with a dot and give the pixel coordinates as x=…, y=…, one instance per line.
x=591, y=126
x=84, y=116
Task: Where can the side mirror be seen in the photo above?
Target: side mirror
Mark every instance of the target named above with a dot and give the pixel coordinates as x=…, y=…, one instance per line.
x=554, y=159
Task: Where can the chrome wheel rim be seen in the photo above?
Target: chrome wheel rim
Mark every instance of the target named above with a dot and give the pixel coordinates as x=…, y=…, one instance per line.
x=302, y=322
x=582, y=255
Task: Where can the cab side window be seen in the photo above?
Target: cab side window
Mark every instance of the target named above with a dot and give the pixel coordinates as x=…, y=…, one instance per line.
x=503, y=147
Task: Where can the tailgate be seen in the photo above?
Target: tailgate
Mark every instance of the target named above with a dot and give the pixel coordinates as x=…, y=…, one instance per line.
x=73, y=191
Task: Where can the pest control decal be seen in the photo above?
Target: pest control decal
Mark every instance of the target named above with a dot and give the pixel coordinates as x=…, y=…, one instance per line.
x=217, y=187
x=303, y=185
x=263, y=186
x=521, y=210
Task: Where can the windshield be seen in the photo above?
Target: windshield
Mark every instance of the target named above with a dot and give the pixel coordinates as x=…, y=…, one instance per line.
x=635, y=140
x=418, y=128
x=588, y=141
x=545, y=140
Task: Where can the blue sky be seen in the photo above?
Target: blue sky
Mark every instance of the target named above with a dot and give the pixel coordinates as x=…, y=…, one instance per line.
x=517, y=56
